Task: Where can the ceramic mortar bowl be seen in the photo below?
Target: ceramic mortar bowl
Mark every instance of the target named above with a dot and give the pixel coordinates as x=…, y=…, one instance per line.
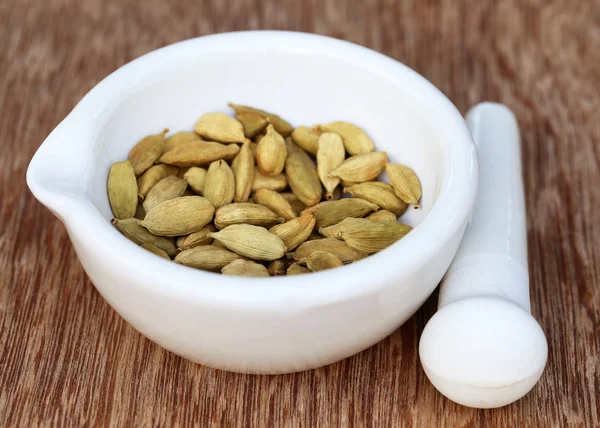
x=262, y=325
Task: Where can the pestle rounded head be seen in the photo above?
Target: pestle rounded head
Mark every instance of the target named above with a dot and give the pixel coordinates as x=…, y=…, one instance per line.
x=483, y=352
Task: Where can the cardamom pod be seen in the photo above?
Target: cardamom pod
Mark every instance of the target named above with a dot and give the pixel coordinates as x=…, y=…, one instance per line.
x=122, y=190
x=245, y=213
x=363, y=167
x=146, y=152
x=348, y=183
x=196, y=239
x=355, y=139
x=368, y=236
x=277, y=267
x=275, y=202
x=381, y=216
x=196, y=179
x=219, y=187
x=302, y=175
x=314, y=208
x=152, y=176
x=179, y=138
x=179, y=216
x=132, y=230
x=332, y=231
x=254, y=242
x=277, y=182
x=156, y=250
x=220, y=127
x=331, y=155
x=337, y=211
x=245, y=268
x=405, y=182
x=199, y=153
x=166, y=189
x=281, y=126
x=207, y=257
x=296, y=231
x=243, y=171
x=253, y=123
x=381, y=194
x=320, y=260
x=218, y=244
x=296, y=269
x=330, y=245
x=271, y=153
x=307, y=138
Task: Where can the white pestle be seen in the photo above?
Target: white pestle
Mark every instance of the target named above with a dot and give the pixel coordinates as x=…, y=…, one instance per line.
x=483, y=348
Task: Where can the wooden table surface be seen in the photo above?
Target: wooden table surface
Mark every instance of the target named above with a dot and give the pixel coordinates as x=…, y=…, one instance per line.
x=67, y=359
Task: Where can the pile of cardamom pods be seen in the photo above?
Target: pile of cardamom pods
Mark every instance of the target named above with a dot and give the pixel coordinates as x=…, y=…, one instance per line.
x=253, y=196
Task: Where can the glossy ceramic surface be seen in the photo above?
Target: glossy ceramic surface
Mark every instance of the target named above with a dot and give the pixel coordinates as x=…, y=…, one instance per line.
x=268, y=325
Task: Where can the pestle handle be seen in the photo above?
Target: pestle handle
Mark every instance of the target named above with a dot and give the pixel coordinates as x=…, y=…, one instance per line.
x=492, y=258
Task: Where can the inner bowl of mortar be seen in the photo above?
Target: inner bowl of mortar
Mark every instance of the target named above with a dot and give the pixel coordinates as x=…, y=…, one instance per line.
x=262, y=325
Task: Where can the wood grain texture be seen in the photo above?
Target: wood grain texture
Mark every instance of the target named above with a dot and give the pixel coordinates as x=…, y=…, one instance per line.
x=66, y=358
